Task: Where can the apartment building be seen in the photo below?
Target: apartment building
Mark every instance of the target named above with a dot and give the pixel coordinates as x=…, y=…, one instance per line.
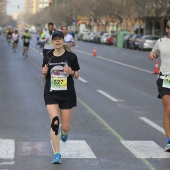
x=3, y=5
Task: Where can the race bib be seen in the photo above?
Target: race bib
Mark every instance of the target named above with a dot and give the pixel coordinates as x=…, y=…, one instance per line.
x=49, y=43
x=26, y=40
x=58, y=78
x=166, y=82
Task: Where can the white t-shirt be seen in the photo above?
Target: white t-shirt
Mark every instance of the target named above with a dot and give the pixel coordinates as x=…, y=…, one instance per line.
x=68, y=39
x=48, y=45
x=15, y=37
x=162, y=48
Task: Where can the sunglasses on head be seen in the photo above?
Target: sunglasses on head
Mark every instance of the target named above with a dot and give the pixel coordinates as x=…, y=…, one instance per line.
x=168, y=27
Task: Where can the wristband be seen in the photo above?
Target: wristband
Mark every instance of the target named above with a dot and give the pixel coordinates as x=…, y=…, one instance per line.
x=73, y=73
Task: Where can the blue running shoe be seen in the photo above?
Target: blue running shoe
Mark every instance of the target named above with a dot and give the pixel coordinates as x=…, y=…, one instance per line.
x=57, y=159
x=64, y=135
x=167, y=148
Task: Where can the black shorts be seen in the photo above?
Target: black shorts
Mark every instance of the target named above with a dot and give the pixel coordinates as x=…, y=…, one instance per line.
x=162, y=90
x=15, y=42
x=26, y=44
x=52, y=98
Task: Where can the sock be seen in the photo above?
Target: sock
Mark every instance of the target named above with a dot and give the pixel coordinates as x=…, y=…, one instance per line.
x=56, y=152
x=168, y=140
x=64, y=133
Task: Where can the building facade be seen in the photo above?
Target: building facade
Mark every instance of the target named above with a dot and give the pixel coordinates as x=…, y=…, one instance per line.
x=3, y=6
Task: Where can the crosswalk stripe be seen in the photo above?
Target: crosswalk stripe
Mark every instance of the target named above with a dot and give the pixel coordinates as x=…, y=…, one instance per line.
x=145, y=149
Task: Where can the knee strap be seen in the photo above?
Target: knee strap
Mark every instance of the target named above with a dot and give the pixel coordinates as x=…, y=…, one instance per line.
x=53, y=126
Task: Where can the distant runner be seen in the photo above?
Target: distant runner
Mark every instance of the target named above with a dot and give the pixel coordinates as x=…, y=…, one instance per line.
x=68, y=39
x=26, y=42
x=15, y=39
x=46, y=38
x=9, y=36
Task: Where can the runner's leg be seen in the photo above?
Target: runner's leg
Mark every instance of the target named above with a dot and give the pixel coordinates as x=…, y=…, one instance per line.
x=66, y=115
x=166, y=119
x=53, y=111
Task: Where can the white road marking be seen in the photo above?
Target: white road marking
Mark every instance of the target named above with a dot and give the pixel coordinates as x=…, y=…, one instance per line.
x=7, y=151
x=113, y=61
x=153, y=124
x=37, y=51
x=84, y=52
x=81, y=79
x=41, y=53
x=108, y=96
x=127, y=65
x=33, y=148
x=7, y=163
x=145, y=149
x=75, y=149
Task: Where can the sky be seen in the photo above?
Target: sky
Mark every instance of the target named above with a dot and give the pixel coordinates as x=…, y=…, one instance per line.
x=12, y=6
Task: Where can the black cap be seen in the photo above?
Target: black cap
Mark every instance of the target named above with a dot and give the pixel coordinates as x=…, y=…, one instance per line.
x=58, y=33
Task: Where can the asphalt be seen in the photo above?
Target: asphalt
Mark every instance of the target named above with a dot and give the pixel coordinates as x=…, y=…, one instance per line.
x=104, y=124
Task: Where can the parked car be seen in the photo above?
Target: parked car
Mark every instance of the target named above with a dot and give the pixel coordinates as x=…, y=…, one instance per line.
x=86, y=36
x=126, y=40
x=134, y=41
x=147, y=42
x=97, y=37
x=104, y=37
x=79, y=36
x=91, y=36
x=110, y=39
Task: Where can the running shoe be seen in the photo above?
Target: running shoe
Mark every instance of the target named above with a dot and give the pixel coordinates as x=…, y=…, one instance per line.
x=57, y=159
x=64, y=135
x=167, y=148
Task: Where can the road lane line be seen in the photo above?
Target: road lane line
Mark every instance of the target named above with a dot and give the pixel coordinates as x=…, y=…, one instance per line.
x=126, y=65
x=113, y=132
x=154, y=125
x=107, y=95
x=113, y=61
x=81, y=79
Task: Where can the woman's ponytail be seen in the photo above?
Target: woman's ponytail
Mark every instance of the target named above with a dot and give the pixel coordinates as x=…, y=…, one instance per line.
x=67, y=48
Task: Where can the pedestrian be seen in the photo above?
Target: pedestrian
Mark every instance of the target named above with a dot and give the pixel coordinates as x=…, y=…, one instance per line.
x=26, y=42
x=69, y=40
x=59, y=69
x=46, y=38
x=162, y=49
x=15, y=39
